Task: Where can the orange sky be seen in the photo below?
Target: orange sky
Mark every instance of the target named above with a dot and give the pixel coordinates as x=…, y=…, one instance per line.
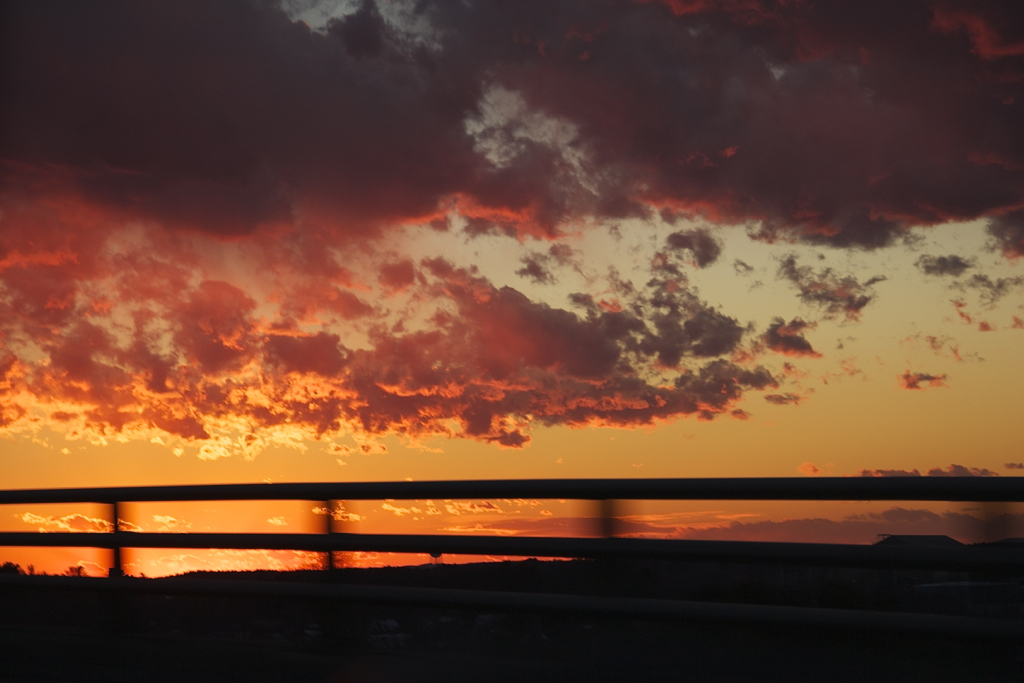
x=330, y=243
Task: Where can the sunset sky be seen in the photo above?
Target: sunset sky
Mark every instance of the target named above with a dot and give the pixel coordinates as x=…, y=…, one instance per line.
x=320, y=240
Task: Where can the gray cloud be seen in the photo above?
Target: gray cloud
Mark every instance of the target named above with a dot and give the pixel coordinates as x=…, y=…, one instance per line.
x=783, y=399
x=700, y=243
x=953, y=470
x=787, y=338
x=742, y=267
x=834, y=294
x=961, y=471
x=944, y=265
x=1007, y=232
x=991, y=291
x=540, y=267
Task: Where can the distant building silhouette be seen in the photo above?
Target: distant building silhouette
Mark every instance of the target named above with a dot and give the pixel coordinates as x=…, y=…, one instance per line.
x=918, y=541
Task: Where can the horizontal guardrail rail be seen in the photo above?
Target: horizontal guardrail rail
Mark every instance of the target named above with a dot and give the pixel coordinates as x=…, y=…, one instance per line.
x=972, y=489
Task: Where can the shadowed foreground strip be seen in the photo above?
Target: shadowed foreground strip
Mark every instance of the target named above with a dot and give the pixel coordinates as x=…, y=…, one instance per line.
x=298, y=628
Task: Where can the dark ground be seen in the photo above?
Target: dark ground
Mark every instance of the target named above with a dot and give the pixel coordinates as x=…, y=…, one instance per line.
x=55, y=636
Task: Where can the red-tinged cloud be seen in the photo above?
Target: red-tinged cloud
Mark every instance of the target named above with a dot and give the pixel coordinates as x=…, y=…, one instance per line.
x=787, y=338
x=841, y=123
x=216, y=330
x=943, y=346
x=398, y=275
x=484, y=363
x=963, y=315
x=920, y=380
x=203, y=206
x=994, y=31
x=809, y=468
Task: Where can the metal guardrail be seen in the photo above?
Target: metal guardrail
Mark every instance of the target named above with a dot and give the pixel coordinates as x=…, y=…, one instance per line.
x=606, y=491
x=973, y=489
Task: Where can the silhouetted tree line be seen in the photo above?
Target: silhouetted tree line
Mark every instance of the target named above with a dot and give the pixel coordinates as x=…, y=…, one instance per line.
x=30, y=570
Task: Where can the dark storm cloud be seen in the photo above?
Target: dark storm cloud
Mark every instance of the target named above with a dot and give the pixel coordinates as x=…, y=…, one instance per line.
x=1008, y=232
x=363, y=32
x=944, y=265
x=227, y=117
x=840, y=123
x=832, y=122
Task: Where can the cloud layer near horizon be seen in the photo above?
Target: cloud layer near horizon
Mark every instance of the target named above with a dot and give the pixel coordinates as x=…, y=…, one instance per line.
x=150, y=152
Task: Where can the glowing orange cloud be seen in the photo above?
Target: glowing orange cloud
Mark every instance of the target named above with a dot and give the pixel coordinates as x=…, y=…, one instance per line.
x=141, y=345
x=918, y=380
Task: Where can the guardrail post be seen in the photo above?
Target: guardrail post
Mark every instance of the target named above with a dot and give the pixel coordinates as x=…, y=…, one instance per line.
x=116, y=570
x=607, y=518
x=326, y=506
